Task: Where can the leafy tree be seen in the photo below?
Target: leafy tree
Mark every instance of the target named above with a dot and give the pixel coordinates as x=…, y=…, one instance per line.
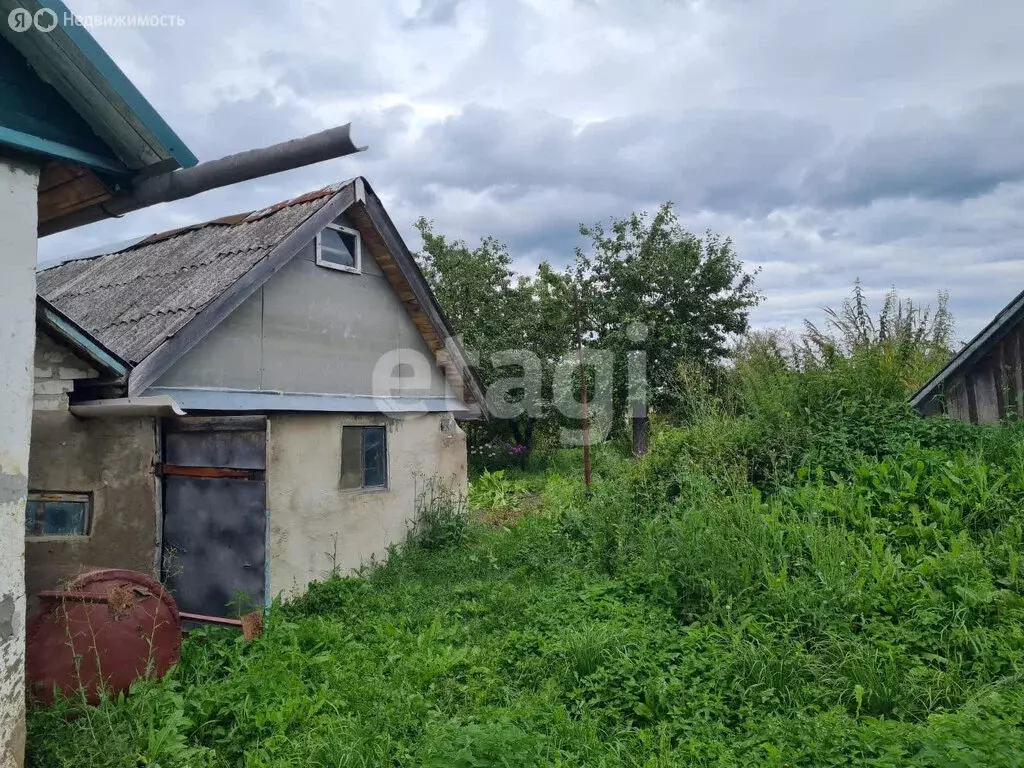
x=498, y=315
x=475, y=286
x=645, y=287
x=651, y=286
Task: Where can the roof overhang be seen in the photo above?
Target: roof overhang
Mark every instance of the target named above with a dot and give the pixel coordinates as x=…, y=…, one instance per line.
x=64, y=329
x=976, y=348
x=72, y=62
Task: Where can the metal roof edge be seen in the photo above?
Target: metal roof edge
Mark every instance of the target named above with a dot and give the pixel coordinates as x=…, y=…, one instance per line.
x=79, y=339
x=157, y=405
x=214, y=399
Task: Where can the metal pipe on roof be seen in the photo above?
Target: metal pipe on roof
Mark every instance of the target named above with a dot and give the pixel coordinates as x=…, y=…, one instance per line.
x=243, y=166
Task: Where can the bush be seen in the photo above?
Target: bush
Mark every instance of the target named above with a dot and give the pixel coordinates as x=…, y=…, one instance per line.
x=440, y=520
x=492, y=490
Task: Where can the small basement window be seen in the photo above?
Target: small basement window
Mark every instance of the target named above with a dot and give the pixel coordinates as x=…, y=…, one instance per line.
x=339, y=247
x=58, y=514
x=364, y=457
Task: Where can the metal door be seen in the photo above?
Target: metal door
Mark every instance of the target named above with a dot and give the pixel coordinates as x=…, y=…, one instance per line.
x=214, y=527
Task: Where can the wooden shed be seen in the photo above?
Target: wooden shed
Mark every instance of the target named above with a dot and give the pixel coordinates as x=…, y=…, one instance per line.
x=983, y=383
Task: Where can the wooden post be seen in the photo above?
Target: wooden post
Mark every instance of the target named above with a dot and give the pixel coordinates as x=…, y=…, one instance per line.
x=586, y=420
x=640, y=430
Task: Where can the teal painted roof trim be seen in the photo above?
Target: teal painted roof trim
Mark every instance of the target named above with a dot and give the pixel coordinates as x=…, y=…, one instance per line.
x=124, y=88
x=30, y=143
x=80, y=341
x=34, y=117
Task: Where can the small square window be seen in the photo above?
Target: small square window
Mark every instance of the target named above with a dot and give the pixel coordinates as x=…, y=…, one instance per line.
x=339, y=247
x=364, y=457
x=57, y=514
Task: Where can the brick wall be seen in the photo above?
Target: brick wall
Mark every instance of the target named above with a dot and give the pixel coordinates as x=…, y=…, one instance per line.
x=56, y=369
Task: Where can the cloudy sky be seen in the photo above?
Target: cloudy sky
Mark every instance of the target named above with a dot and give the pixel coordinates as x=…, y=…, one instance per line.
x=873, y=139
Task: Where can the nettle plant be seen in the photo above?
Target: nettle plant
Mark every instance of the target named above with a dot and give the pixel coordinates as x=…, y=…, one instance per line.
x=493, y=490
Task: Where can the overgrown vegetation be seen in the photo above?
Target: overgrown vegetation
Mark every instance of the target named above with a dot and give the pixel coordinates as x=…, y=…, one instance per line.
x=802, y=572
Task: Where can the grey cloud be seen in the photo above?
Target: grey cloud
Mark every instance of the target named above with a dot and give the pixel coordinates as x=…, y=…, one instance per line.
x=831, y=141
x=244, y=124
x=923, y=154
x=433, y=13
x=733, y=160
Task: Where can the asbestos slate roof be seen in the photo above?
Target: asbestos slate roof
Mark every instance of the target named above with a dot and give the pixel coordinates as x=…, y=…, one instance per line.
x=133, y=299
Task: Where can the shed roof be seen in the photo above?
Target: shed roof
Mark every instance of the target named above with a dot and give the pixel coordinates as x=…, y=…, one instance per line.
x=149, y=301
x=133, y=299
x=985, y=340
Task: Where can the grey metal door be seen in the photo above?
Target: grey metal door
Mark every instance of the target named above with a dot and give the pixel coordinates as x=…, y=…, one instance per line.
x=214, y=527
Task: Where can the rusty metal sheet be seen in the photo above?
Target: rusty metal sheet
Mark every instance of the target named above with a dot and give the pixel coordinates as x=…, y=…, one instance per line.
x=106, y=629
x=238, y=450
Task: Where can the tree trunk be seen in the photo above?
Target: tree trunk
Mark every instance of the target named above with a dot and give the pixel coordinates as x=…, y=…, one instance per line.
x=527, y=442
x=641, y=428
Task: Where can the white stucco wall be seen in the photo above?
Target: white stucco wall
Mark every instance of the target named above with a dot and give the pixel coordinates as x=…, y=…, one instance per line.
x=316, y=526
x=18, y=192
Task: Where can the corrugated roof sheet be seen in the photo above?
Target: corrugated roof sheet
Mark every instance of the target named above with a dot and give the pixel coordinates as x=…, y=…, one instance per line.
x=133, y=299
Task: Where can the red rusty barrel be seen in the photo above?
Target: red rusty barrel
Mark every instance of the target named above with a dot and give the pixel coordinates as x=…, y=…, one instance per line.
x=108, y=628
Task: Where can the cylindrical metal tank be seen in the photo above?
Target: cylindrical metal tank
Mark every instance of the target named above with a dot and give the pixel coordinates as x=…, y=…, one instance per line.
x=105, y=630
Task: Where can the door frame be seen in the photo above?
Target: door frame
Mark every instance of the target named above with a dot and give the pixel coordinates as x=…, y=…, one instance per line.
x=208, y=423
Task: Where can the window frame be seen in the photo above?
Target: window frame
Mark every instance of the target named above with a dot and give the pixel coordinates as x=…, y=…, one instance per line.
x=78, y=497
x=341, y=229
x=362, y=487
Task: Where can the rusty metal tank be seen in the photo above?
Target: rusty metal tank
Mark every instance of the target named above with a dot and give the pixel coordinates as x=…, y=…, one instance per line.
x=107, y=628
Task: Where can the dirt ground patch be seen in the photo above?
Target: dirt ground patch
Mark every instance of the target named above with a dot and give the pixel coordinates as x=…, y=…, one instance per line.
x=507, y=517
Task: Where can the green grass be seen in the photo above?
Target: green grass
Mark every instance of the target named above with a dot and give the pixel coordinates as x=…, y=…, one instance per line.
x=805, y=580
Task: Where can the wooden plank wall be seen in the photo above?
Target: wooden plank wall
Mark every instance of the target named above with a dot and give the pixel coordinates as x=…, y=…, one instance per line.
x=991, y=387
x=65, y=188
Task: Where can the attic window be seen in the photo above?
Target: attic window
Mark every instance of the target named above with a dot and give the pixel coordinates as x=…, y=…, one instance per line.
x=339, y=247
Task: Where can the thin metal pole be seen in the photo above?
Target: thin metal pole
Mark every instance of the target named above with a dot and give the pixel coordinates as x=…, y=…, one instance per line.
x=583, y=395
x=586, y=421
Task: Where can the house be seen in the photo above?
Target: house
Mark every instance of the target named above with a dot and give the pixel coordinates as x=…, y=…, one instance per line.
x=982, y=384
x=73, y=131
x=78, y=143
x=244, y=405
